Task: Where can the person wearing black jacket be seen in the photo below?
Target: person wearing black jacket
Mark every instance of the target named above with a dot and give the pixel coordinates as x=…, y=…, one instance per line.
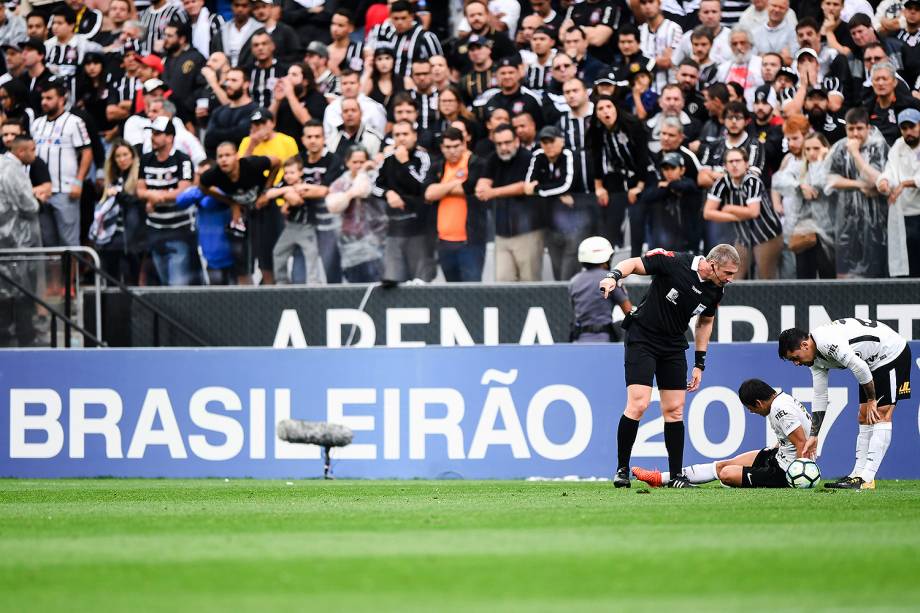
x=182, y=71
x=309, y=24
x=668, y=198
x=520, y=219
x=461, y=217
x=619, y=147
x=401, y=183
x=552, y=167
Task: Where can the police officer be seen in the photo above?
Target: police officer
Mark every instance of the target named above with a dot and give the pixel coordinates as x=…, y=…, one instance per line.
x=682, y=286
x=592, y=321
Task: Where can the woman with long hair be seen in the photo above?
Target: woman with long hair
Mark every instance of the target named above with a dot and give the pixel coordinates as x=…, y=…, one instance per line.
x=14, y=103
x=451, y=109
x=619, y=150
x=296, y=101
x=118, y=228
x=92, y=92
x=380, y=83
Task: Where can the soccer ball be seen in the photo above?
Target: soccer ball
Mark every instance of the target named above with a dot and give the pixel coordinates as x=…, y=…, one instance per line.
x=803, y=474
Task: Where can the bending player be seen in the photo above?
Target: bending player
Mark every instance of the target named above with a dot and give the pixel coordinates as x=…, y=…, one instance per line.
x=758, y=468
x=879, y=359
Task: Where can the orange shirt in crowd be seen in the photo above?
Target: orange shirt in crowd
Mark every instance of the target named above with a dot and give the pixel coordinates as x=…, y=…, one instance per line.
x=452, y=209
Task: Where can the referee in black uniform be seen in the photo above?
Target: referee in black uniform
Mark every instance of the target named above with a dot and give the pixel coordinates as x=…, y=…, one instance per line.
x=683, y=285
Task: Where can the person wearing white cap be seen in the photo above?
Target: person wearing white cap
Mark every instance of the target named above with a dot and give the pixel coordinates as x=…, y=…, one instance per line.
x=900, y=181
x=592, y=313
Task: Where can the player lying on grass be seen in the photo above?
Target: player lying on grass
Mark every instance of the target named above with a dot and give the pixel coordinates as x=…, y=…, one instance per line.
x=764, y=468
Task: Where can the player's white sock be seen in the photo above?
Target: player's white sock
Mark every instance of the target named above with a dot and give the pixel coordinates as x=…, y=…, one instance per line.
x=878, y=445
x=862, y=448
x=701, y=473
x=665, y=477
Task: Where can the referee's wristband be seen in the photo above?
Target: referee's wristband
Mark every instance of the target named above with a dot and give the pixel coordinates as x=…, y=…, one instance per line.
x=699, y=360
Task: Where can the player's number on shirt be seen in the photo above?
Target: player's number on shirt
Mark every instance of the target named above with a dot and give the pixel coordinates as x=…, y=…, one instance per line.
x=865, y=322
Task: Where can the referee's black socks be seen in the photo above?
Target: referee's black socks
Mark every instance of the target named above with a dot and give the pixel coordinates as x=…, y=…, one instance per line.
x=626, y=438
x=674, y=443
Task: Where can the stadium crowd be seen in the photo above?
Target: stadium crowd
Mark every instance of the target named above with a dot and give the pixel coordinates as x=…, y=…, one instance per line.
x=325, y=142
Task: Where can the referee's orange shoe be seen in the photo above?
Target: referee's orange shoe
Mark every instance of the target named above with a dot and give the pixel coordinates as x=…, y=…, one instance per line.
x=652, y=477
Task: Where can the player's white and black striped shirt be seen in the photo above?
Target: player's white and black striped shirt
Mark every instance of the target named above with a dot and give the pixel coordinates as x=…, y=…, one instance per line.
x=155, y=21
x=354, y=56
x=653, y=44
x=57, y=142
x=163, y=175
x=750, y=191
x=64, y=59
x=416, y=44
x=575, y=132
x=262, y=82
x=427, y=105
x=732, y=10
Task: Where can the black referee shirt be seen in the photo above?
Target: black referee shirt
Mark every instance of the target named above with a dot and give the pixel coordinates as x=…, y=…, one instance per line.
x=675, y=296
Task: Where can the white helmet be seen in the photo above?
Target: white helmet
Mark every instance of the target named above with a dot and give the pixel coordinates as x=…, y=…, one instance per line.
x=595, y=250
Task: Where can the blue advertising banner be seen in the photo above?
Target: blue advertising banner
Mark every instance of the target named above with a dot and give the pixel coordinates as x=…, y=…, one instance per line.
x=431, y=412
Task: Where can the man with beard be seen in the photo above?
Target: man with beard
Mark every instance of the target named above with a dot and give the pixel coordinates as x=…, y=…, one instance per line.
x=767, y=129
x=887, y=104
x=519, y=217
x=230, y=122
x=745, y=66
x=823, y=121
x=477, y=15
x=671, y=103
x=688, y=79
x=539, y=59
x=861, y=231
x=898, y=182
x=182, y=69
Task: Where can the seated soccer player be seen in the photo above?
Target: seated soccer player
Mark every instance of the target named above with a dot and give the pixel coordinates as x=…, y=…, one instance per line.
x=759, y=468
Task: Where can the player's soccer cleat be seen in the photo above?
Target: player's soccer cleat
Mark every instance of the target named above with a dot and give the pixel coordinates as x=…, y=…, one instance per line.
x=652, y=477
x=855, y=483
x=868, y=485
x=839, y=484
x=680, y=481
x=621, y=479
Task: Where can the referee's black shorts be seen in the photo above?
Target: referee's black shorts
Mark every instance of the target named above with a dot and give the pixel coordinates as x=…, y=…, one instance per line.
x=765, y=471
x=892, y=381
x=645, y=362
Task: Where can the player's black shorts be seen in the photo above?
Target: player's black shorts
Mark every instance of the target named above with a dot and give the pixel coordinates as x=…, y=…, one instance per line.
x=892, y=381
x=645, y=361
x=764, y=472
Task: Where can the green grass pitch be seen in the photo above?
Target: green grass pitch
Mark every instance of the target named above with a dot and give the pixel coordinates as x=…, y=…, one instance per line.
x=210, y=545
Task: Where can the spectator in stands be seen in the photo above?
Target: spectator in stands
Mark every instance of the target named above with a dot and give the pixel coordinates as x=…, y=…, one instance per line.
x=461, y=217
x=320, y=168
x=898, y=183
x=887, y=105
x=230, y=121
x=297, y=233
x=671, y=103
x=206, y=27
x=163, y=175
x=317, y=58
x=739, y=198
x=520, y=219
x=372, y=112
x=817, y=212
x=669, y=196
x=354, y=131
x=182, y=69
x=296, y=101
x=401, y=183
x=861, y=226
x=119, y=227
x=710, y=14
x=237, y=33
x=785, y=192
x=343, y=51
x=745, y=66
x=587, y=67
x=451, y=109
x=620, y=158
x=288, y=47
x=525, y=128
x=510, y=95
x=776, y=34
x=658, y=38
x=212, y=217
x=362, y=234
x=381, y=83
x=410, y=40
